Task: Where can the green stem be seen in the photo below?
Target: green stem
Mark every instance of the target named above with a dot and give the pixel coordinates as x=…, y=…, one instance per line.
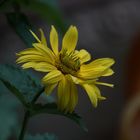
x=37, y=96
x=24, y=125
x=27, y=115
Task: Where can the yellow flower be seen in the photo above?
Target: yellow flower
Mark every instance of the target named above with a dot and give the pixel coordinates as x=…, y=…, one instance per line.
x=66, y=68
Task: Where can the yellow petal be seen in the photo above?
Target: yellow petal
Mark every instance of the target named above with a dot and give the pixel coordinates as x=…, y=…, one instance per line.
x=106, y=62
x=29, y=65
x=63, y=93
x=43, y=39
x=54, y=40
x=90, y=73
x=91, y=93
x=52, y=77
x=76, y=80
x=49, y=88
x=97, y=91
x=35, y=36
x=104, y=84
x=28, y=51
x=37, y=54
x=73, y=98
x=95, y=69
x=31, y=58
x=70, y=39
x=84, y=56
x=39, y=66
x=79, y=81
x=108, y=72
x=44, y=67
x=45, y=51
x=67, y=95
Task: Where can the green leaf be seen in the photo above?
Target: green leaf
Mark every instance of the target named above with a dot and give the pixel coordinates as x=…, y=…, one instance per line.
x=8, y=116
x=41, y=137
x=51, y=108
x=47, y=9
x=21, y=25
x=20, y=83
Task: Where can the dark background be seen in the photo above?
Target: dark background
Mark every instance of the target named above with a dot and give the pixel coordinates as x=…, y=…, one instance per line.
x=106, y=29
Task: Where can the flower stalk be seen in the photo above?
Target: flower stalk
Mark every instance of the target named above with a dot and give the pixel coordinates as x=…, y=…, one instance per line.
x=37, y=95
x=27, y=115
x=24, y=125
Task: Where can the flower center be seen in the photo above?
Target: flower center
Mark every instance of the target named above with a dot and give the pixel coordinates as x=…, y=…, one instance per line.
x=68, y=63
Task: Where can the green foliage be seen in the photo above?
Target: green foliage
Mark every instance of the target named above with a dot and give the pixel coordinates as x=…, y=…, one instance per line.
x=51, y=108
x=21, y=25
x=41, y=137
x=47, y=9
x=20, y=83
x=25, y=88
x=8, y=116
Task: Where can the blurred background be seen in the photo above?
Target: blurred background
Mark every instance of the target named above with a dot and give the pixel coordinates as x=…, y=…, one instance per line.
x=107, y=28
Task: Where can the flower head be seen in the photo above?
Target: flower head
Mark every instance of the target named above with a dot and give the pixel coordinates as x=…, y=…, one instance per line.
x=66, y=68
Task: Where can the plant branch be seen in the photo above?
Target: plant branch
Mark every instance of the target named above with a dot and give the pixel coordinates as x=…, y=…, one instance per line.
x=27, y=115
x=24, y=125
x=37, y=95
